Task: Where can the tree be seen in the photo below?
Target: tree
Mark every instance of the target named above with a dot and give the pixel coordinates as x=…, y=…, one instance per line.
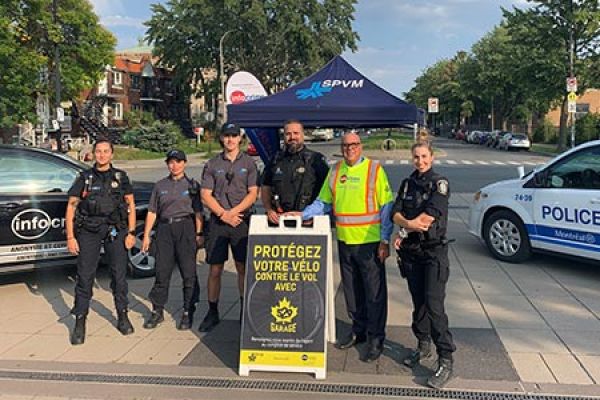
x=546, y=30
x=29, y=35
x=279, y=41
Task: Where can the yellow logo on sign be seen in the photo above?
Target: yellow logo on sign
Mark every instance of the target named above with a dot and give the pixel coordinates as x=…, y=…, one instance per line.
x=284, y=312
x=572, y=96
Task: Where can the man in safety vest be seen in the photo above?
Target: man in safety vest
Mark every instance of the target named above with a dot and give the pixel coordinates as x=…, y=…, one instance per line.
x=358, y=192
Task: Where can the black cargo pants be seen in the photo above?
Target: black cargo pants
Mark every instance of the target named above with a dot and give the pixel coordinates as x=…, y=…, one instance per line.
x=175, y=245
x=427, y=274
x=90, y=244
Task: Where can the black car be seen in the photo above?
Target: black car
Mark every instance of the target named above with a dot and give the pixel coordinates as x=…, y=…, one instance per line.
x=33, y=199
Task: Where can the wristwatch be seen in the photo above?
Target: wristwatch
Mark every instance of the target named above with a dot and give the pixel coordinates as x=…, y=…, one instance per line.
x=402, y=233
x=199, y=233
x=132, y=232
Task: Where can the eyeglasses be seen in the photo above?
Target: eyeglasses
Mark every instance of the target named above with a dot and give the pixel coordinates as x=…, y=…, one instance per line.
x=348, y=146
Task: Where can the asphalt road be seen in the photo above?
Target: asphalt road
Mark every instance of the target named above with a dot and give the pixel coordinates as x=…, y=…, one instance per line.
x=468, y=167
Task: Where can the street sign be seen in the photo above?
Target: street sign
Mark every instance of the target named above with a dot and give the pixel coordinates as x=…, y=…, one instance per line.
x=571, y=107
x=60, y=114
x=572, y=97
x=432, y=105
x=572, y=84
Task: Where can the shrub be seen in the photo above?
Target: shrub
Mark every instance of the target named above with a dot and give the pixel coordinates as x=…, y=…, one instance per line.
x=587, y=128
x=159, y=137
x=545, y=132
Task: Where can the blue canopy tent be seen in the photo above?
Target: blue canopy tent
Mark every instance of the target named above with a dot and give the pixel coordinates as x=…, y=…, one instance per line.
x=336, y=96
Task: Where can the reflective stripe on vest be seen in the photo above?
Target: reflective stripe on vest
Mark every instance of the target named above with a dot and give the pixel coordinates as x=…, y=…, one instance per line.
x=371, y=215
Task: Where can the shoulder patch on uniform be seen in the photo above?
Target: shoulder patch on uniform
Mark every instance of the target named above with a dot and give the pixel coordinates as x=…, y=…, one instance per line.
x=442, y=187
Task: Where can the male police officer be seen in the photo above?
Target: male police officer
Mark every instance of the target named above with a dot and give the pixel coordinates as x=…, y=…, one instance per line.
x=421, y=211
x=229, y=190
x=175, y=202
x=100, y=209
x=295, y=176
x=359, y=194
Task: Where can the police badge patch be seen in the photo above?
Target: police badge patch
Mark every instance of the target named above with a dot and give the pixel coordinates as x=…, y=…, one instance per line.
x=442, y=187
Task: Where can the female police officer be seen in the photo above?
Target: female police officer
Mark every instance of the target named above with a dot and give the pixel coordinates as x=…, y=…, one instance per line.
x=421, y=211
x=175, y=203
x=100, y=209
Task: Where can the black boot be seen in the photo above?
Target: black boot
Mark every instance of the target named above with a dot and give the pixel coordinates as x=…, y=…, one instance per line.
x=187, y=319
x=375, y=349
x=78, y=334
x=443, y=374
x=123, y=324
x=422, y=352
x=210, y=321
x=156, y=318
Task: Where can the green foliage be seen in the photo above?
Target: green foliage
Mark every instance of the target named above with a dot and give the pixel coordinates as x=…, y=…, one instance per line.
x=137, y=118
x=279, y=41
x=545, y=132
x=587, y=128
x=29, y=36
x=159, y=137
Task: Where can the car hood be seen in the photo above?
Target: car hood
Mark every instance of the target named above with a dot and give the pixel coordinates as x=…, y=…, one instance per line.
x=141, y=193
x=505, y=184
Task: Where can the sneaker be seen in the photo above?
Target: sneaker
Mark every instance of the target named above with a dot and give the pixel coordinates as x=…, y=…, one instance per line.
x=443, y=374
x=156, y=318
x=186, y=321
x=210, y=321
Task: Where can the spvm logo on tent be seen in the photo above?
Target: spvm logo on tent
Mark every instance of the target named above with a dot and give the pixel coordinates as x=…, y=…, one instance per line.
x=320, y=88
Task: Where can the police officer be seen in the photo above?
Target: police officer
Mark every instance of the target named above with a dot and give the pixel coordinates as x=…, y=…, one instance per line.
x=358, y=192
x=229, y=189
x=295, y=176
x=100, y=209
x=175, y=203
x=421, y=211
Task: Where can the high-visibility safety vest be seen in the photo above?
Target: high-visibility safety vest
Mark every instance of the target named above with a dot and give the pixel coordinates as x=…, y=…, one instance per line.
x=356, y=194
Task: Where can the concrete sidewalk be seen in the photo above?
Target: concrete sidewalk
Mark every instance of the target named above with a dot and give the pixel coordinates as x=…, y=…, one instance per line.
x=528, y=328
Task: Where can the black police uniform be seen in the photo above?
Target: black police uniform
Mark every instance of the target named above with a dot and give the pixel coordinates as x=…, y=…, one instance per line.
x=295, y=179
x=424, y=258
x=101, y=217
x=175, y=203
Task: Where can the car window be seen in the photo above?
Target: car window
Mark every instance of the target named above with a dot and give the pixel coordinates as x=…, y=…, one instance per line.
x=581, y=171
x=24, y=173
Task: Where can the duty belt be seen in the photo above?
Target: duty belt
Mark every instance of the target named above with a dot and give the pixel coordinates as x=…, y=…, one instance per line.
x=173, y=220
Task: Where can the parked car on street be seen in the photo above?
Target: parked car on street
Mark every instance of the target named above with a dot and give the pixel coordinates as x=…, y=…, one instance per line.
x=33, y=200
x=514, y=141
x=325, y=134
x=553, y=208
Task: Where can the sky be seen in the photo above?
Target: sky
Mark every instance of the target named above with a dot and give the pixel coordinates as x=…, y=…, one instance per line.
x=399, y=39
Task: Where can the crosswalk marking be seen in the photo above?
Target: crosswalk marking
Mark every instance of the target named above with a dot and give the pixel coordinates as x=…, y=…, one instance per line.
x=388, y=162
x=437, y=162
x=514, y=163
x=467, y=162
x=404, y=162
x=498, y=162
x=482, y=162
x=451, y=162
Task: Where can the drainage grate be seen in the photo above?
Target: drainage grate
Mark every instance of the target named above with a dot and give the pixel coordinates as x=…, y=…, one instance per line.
x=302, y=387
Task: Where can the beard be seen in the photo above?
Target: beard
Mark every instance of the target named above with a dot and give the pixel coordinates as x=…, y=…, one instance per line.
x=293, y=147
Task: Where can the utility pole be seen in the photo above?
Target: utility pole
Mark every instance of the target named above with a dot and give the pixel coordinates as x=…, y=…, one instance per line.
x=57, y=83
x=571, y=62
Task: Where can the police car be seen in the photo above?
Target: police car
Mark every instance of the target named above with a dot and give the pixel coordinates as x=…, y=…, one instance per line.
x=554, y=208
x=33, y=198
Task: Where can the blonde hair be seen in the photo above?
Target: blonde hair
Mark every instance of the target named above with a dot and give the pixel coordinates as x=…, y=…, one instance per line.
x=423, y=135
x=422, y=143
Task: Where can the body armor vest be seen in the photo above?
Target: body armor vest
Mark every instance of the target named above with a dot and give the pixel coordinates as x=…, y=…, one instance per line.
x=102, y=200
x=300, y=174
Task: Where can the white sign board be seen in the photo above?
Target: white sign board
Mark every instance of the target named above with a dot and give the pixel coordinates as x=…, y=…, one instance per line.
x=572, y=84
x=60, y=114
x=571, y=106
x=243, y=87
x=432, y=105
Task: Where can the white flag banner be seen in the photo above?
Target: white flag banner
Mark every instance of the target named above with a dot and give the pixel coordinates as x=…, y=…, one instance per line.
x=243, y=87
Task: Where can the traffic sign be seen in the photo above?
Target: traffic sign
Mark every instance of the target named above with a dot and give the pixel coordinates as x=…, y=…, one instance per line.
x=571, y=107
x=432, y=105
x=60, y=114
x=572, y=97
x=572, y=84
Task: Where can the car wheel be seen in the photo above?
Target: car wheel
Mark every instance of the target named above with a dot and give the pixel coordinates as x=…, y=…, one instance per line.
x=506, y=237
x=141, y=265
